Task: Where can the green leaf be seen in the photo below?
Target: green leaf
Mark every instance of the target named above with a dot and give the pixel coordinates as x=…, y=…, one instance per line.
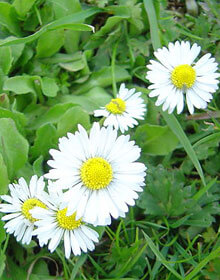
x=75, y=27
x=70, y=120
x=23, y=6
x=45, y=139
x=52, y=116
x=109, y=25
x=27, y=84
x=8, y=18
x=19, y=118
x=13, y=146
x=73, y=18
x=20, y=84
x=154, y=30
x=49, y=87
x=155, y=139
x=90, y=101
x=38, y=166
x=4, y=178
x=165, y=194
x=64, y=7
x=49, y=43
x=2, y=262
x=178, y=131
x=5, y=59
x=103, y=78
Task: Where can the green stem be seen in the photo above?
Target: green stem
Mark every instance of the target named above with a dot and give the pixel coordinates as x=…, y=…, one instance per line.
x=6, y=243
x=114, y=52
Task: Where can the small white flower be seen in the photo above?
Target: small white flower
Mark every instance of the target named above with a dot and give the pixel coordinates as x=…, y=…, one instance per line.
x=123, y=111
x=177, y=73
x=54, y=225
x=22, y=199
x=100, y=172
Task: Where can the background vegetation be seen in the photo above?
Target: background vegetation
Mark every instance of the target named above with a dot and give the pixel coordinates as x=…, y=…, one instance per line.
x=54, y=71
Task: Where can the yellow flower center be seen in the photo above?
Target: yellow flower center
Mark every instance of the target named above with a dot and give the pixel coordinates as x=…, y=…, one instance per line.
x=96, y=173
x=116, y=106
x=183, y=75
x=30, y=204
x=67, y=222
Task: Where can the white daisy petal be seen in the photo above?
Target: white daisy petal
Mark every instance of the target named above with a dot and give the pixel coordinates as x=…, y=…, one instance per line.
x=109, y=161
x=194, y=79
x=21, y=201
x=54, y=225
x=122, y=111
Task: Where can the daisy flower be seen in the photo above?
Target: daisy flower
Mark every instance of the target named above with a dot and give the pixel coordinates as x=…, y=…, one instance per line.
x=123, y=110
x=54, y=226
x=21, y=200
x=177, y=74
x=100, y=171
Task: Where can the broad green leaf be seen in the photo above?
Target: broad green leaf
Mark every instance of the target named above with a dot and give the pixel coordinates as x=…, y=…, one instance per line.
x=23, y=6
x=4, y=177
x=38, y=166
x=110, y=23
x=73, y=18
x=8, y=18
x=49, y=87
x=19, y=84
x=52, y=116
x=94, y=99
x=27, y=84
x=73, y=66
x=49, y=43
x=62, y=58
x=103, y=78
x=155, y=139
x=70, y=120
x=13, y=146
x=5, y=59
x=65, y=7
x=19, y=118
x=45, y=139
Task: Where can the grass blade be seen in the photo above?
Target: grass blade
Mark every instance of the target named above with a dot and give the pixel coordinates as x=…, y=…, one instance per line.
x=70, y=19
x=160, y=257
x=214, y=254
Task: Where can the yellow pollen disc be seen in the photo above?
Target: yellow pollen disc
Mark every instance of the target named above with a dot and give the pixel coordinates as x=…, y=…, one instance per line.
x=183, y=75
x=116, y=106
x=96, y=173
x=67, y=222
x=30, y=204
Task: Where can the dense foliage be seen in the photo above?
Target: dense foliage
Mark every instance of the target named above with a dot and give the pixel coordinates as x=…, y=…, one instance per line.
x=54, y=72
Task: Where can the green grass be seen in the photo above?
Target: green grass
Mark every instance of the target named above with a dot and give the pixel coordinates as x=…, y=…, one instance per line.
x=54, y=72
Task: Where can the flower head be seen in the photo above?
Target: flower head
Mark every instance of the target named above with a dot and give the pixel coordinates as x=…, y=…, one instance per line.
x=21, y=200
x=122, y=112
x=100, y=171
x=177, y=74
x=53, y=226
